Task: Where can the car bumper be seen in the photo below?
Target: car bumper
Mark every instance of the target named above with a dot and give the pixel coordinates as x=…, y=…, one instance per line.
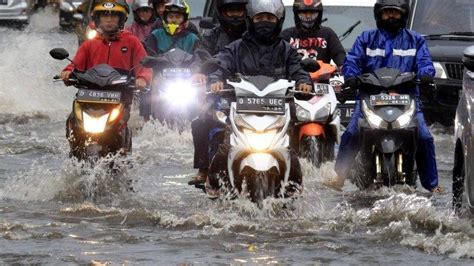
x=18, y=13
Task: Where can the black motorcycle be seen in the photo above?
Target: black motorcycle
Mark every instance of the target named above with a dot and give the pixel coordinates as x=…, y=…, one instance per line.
x=97, y=126
x=388, y=131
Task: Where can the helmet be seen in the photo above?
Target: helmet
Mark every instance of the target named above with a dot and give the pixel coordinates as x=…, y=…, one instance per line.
x=111, y=6
x=232, y=25
x=308, y=5
x=155, y=4
x=176, y=6
x=142, y=4
x=402, y=5
x=274, y=7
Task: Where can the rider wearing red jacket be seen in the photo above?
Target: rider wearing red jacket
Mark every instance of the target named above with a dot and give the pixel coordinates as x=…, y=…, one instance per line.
x=113, y=46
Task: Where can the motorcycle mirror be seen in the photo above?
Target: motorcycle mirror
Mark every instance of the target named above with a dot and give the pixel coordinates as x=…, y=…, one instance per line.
x=149, y=62
x=206, y=23
x=310, y=65
x=210, y=66
x=59, y=53
x=468, y=59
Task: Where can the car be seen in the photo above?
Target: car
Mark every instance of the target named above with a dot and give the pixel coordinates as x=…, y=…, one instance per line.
x=66, y=12
x=17, y=11
x=463, y=171
x=448, y=28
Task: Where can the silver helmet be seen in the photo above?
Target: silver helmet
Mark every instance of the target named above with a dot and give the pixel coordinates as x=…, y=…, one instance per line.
x=137, y=4
x=274, y=7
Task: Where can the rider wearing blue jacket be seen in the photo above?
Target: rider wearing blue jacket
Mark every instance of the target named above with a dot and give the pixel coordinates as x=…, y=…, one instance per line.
x=393, y=46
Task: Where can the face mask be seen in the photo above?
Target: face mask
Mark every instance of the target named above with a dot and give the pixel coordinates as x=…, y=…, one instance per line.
x=392, y=25
x=308, y=22
x=265, y=31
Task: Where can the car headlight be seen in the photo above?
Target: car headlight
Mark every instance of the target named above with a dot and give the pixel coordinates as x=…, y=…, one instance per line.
x=94, y=124
x=374, y=120
x=302, y=114
x=440, y=71
x=405, y=119
x=260, y=141
x=179, y=93
x=91, y=33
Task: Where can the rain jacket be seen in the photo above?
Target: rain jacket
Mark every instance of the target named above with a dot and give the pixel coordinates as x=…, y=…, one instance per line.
x=124, y=53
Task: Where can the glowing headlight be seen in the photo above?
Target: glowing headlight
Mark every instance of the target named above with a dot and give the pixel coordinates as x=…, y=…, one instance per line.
x=91, y=33
x=180, y=93
x=114, y=114
x=94, y=124
x=374, y=120
x=440, y=72
x=66, y=6
x=405, y=119
x=260, y=141
x=241, y=123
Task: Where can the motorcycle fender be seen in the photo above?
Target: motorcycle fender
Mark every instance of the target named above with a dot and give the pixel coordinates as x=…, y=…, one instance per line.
x=389, y=144
x=312, y=129
x=259, y=162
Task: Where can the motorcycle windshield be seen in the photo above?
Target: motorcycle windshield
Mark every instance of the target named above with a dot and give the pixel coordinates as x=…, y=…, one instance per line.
x=261, y=86
x=102, y=75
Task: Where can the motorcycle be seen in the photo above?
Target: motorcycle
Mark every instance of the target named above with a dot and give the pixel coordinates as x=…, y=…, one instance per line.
x=388, y=131
x=97, y=126
x=174, y=99
x=317, y=129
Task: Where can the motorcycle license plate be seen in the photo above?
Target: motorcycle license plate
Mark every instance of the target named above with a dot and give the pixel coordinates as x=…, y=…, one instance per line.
x=176, y=72
x=385, y=99
x=257, y=105
x=92, y=96
x=321, y=89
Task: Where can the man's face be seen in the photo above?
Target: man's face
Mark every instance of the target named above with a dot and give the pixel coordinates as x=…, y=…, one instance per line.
x=265, y=17
x=174, y=18
x=109, y=21
x=308, y=14
x=160, y=8
x=391, y=13
x=145, y=14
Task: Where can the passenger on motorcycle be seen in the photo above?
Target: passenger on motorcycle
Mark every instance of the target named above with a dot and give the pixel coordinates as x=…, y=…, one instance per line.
x=145, y=19
x=394, y=46
x=113, y=46
x=260, y=52
x=310, y=38
x=231, y=15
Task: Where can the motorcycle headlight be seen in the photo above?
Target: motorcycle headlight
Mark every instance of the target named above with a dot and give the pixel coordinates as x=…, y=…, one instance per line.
x=374, y=120
x=278, y=124
x=241, y=123
x=94, y=124
x=91, y=33
x=323, y=113
x=302, y=114
x=405, y=119
x=180, y=93
x=440, y=71
x=115, y=113
x=260, y=141
x=77, y=111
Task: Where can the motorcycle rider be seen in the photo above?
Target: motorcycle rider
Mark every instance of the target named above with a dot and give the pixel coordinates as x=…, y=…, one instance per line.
x=231, y=15
x=112, y=46
x=390, y=45
x=174, y=32
x=145, y=19
x=310, y=38
x=260, y=52
x=159, y=7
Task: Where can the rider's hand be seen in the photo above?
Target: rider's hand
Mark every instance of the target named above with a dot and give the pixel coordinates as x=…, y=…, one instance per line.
x=140, y=83
x=199, y=79
x=65, y=75
x=305, y=88
x=217, y=86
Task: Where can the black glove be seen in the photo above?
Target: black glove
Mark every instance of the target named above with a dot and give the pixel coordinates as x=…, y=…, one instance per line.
x=426, y=80
x=352, y=82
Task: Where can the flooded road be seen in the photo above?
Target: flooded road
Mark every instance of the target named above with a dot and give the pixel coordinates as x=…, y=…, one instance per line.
x=51, y=213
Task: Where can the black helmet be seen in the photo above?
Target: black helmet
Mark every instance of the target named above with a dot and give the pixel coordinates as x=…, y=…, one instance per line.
x=402, y=5
x=308, y=5
x=274, y=7
x=231, y=25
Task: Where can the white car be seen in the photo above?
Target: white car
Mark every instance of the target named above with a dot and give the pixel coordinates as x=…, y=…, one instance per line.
x=16, y=10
